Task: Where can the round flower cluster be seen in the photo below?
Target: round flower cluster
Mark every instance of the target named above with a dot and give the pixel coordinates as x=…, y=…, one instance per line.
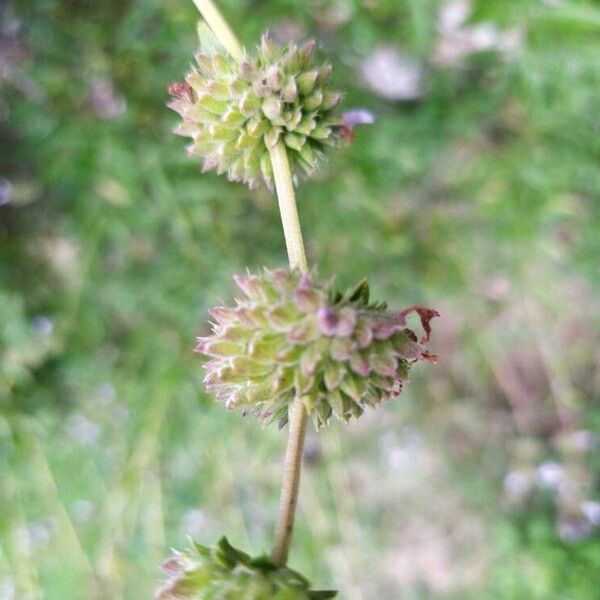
x=227, y=573
x=235, y=111
x=293, y=336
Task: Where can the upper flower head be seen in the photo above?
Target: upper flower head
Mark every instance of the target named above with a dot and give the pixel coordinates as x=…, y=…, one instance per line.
x=235, y=112
x=293, y=336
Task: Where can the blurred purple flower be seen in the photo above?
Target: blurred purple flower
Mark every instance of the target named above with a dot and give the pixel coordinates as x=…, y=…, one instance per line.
x=357, y=116
x=573, y=530
x=5, y=191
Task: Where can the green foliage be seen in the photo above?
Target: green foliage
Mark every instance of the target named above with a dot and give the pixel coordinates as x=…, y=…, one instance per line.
x=23, y=346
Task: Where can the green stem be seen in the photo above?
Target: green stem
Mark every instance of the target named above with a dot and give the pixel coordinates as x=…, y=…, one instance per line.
x=287, y=207
x=297, y=258
x=220, y=28
x=297, y=413
x=291, y=482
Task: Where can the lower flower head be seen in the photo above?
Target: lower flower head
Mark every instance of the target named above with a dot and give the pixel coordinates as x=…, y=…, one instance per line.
x=291, y=336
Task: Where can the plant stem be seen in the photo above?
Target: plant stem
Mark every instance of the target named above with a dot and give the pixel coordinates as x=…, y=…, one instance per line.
x=220, y=28
x=291, y=482
x=287, y=207
x=297, y=258
x=297, y=412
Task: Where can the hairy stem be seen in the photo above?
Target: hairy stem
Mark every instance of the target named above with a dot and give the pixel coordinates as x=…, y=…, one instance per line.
x=297, y=258
x=291, y=482
x=220, y=27
x=287, y=207
x=297, y=412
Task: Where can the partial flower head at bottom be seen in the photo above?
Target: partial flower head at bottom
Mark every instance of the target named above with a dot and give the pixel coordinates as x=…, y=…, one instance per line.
x=292, y=336
x=226, y=573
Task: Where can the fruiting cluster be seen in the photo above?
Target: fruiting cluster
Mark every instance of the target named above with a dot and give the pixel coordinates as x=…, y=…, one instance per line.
x=235, y=111
x=293, y=336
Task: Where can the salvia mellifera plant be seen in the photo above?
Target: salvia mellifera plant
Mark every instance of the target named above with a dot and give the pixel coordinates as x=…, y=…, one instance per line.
x=292, y=347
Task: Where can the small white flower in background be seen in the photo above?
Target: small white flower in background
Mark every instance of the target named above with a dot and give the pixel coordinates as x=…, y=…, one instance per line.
x=195, y=523
x=82, y=430
x=457, y=40
x=517, y=484
x=335, y=15
x=43, y=325
x=575, y=443
x=7, y=588
x=583, y=439
x=402, y=452
x=83, y=511
x=453, y=15
x=591, y=511
x=569, y=491
x=496, y=288
x=105, y=394
x=401, y=458
x=392, y=75
x=42, y=531
x=39, y=533
x=61, y=254
x=550, y=474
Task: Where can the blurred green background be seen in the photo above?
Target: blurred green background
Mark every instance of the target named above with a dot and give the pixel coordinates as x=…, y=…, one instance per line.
x=476, y=191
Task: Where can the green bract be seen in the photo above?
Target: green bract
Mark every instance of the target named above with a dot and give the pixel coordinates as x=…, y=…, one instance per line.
x=292, y=336
x=225, y=573
x=235, y=112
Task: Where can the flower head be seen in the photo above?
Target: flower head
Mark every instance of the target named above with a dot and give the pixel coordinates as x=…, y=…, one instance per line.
x=234, y=112
x=292, y=336
x=227, y=573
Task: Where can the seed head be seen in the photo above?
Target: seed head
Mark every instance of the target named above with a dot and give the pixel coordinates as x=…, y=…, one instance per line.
x=291, y=336
x=234, y=112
